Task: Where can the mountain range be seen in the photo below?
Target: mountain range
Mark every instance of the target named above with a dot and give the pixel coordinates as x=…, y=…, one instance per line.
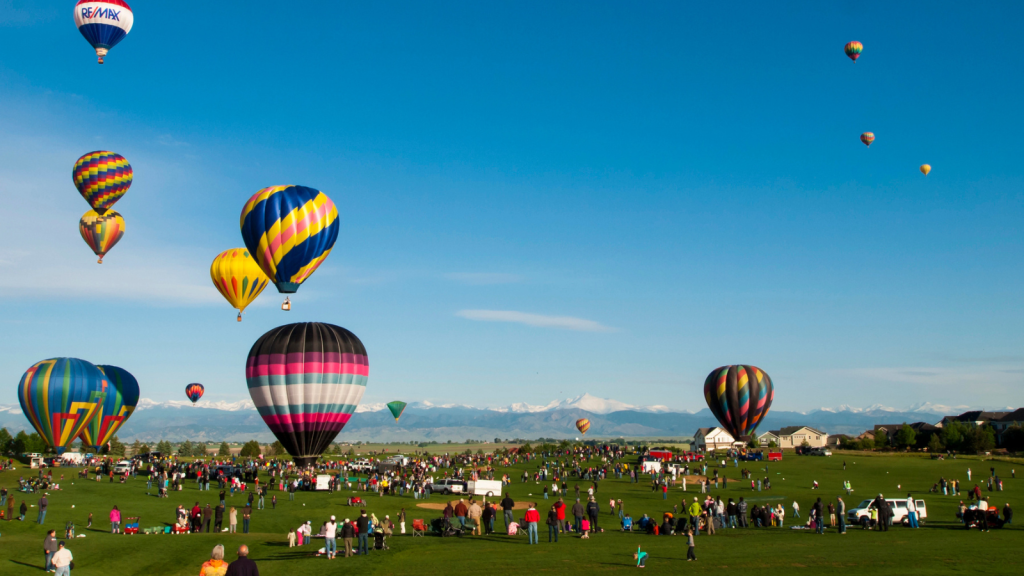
x=423, y=421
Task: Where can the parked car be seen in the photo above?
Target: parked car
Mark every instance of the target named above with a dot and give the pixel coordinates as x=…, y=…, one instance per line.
x=448, y=486
x=361, y=466
x=819, y=452
x=862, y=512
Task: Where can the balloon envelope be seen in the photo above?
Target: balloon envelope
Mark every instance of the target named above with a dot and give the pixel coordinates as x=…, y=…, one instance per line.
x=925, y=169
x=101, y=233
x=739, y=397
x=60, y=396
x=122, y=395
x=195, y=391
x=290, y=230
x=103, y=23
x=853, y=50
x=396, y=408
x=238, y=278
x=102, y=178
x=306, y=380
x=867, y=138
x=583, y=425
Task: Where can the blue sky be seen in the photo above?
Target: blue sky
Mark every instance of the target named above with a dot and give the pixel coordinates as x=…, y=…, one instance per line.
x=537, y=200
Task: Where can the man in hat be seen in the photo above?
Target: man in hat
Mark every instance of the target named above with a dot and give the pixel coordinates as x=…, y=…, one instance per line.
x=331, y=535
x=62, y=560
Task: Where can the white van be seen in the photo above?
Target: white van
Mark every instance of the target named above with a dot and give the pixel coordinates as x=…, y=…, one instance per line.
x=484, y=487
x=122, y=467
x=899, y=508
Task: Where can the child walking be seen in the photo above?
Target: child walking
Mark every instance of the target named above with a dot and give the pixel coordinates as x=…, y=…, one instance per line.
x=690, y=556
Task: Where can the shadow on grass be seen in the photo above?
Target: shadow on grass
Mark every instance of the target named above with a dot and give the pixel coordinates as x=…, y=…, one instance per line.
x=27, y=564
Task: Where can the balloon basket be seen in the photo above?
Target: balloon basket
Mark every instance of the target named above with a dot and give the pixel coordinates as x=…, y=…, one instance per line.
x=286, y=305
x=100, y=261
x=239, y=316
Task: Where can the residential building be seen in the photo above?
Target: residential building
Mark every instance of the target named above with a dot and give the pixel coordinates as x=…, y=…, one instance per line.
x=716, y=438
x=793, y=436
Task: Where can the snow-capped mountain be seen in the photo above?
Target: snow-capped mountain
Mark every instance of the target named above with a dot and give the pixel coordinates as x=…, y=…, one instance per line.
x=586, y=402
x=145, y=403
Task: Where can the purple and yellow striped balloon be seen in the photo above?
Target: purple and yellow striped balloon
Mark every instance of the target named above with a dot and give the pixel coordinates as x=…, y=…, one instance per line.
x=306, y=380
x=102, y=178
x=739, y=396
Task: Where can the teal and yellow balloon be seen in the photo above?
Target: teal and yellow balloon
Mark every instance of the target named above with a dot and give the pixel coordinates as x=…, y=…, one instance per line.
x=122, y=396
x=60, y=397
x=396, y=408
x=289, y=230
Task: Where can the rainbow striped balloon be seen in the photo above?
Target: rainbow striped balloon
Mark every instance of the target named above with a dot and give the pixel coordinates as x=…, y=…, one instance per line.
x=739, y=397
x=122, y=397
x=306, y=380
x=60, y=396
x=102, y=178
x=101, y=233
x=853, y=50
x=290, y=230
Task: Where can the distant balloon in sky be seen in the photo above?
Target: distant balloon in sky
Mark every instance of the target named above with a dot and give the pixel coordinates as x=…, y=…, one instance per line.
x=926, y=168
x=583, y=425
x=289, y=230
x=102, y=178
x=867, y=138
x=396, y=408
x=194, y=392
x=101, y=233
x=121, y=398
x=739, y=397
x=306, y=380
x=60, y=396
x=238, y=278
x=853, y=50
x=104, y=23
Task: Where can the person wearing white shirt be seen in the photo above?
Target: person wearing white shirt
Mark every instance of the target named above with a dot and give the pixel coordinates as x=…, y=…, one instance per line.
x=62, y=560
x=331, y=535
x=912, y=512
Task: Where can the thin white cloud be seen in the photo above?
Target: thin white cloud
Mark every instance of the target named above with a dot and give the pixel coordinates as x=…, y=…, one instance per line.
x=539, y=320
x=1007, y=376
x=484, y=278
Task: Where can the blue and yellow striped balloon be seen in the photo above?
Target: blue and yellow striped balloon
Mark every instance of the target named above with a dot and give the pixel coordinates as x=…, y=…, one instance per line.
x=121, y=399
x=289, y=230
x=60, y=396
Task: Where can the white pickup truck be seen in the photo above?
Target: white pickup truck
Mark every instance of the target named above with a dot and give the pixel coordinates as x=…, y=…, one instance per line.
x=862, y=511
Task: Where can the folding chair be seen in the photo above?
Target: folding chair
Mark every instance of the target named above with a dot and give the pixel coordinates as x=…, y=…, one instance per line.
x=419, y=527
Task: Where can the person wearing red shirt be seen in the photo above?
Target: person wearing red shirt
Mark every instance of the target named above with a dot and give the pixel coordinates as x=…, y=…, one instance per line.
x=532, y=518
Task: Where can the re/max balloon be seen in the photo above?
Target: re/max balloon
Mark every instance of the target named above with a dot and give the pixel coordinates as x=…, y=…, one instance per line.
x=101, y=233
x=289, y=230
x=60, y=396
x=583, y=425
x=122, y=395
x=102, y=178
x=194, y=392
x=396, y=408
x=103, y=23
x=739, y=397
x=853, y=50
x=238, y=278
x=306, y=380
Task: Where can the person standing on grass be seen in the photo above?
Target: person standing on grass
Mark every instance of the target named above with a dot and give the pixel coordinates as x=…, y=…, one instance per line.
x=243, y=566
x=507, y=504
x=115, y=520
x=362, y=529
x=690, y=555
x=246, y=516
x=233, y=520
x=532, y=519
x=215, y=566
x=577, y=514
x=218, y=518
x=43, y=502
x=331, y=539
x=62, y=560
x=911, y=512
x=695, y=511
x=593, y=511
x=460, y=513
x=560, y=512
x=841, y=509
x=49, y=549
x=552, y=523
x=23, y=510
x=401, y=521
x=207, y=515
x=819, y=518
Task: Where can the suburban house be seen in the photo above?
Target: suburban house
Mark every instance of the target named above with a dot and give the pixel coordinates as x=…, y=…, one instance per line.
x=923, y=431
x=716, y=438
x=1015, y=418
x=975, y=417
x=793, y=436
x=834, y=440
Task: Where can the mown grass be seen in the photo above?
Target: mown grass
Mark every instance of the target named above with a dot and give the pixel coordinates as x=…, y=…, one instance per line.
x=941, y=546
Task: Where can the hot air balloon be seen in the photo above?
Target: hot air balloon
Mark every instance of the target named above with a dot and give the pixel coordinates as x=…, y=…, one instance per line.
x=925, y=169
x=740, y=397
x=583, y=425
x=104, y=23
x=194, y=392
x=290, y=231
x=306, y=380
x=122, y=396
x=853, y=50
x=396, y=408
x=60, y=396
x=101, y=233
x=238, y=278
x=867, y=138
x=102, y=178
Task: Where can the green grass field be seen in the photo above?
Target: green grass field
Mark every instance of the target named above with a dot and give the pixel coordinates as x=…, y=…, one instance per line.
x=940, y=546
